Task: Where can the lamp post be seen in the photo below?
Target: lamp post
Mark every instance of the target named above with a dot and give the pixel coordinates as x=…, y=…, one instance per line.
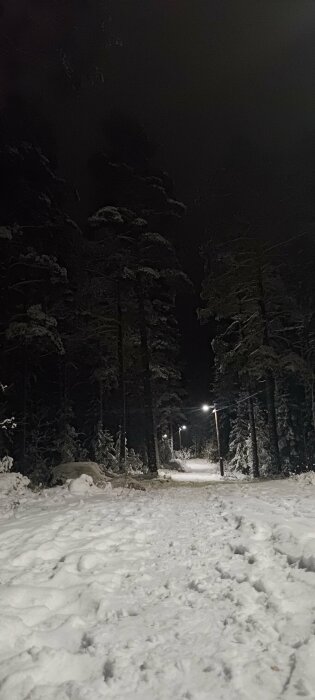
x=207, y=408
x=182, y=427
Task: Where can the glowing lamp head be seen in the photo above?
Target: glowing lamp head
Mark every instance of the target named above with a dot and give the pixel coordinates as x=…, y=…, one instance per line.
x=164, y=436
x=206, y=407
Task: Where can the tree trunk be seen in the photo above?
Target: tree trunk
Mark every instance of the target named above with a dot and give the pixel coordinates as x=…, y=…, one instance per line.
x=251, y=413
x=270, y=382
x=272, y=421
x=151, y=441
x=101, y=420
x=313, y=403
x=25, y=403
x=64, y=409
x=307, y=418
x=171, y=438
x=218, y=441
x=122, y=381
x=253, y=436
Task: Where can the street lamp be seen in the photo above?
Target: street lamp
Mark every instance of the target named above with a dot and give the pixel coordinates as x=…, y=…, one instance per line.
x=164, y=436
x=182, y=427
x=205, y=408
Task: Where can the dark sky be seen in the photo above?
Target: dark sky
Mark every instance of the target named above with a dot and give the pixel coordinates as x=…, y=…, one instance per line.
x=208, y=75
x=224, y=87
x=207, y=78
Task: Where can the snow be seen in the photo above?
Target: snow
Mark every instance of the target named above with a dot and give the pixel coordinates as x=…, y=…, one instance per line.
x=72, y=470
x=13, y=489
x=201, y=471
x=173, y=593
x=82, y=486
x=6, y=232
x=107, y=214
x=194, y=470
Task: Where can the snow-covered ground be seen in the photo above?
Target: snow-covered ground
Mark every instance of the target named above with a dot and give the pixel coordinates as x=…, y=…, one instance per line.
x=169, y=594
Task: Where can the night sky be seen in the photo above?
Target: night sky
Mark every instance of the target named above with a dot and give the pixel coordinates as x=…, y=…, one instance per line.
x=224, y=88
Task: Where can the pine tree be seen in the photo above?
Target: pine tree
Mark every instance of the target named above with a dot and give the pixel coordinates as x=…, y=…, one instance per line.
x=239, y=447
x=138, y=260
x=32, y=279
x=104, y=448
x=7, y=428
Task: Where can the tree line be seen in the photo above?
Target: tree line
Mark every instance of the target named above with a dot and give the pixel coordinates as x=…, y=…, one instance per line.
x=89, y=337
x=262, y=295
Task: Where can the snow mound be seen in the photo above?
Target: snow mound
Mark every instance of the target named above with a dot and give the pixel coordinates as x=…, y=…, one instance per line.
x=82, y=486
x=73, y=470
x=307, y=478
x=13, y=483
x=13, y=491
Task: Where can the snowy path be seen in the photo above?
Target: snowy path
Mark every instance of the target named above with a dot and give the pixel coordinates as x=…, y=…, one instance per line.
x=195, y=470
x=172, y=594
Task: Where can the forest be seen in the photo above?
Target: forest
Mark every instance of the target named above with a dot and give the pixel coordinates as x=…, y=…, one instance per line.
x=262, y=295
x=89, y=326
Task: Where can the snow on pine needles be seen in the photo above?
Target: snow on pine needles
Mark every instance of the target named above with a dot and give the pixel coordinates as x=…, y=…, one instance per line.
x=175, y=593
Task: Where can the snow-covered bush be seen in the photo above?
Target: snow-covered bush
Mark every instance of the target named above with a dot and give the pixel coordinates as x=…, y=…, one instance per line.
x=165, y=452
x=104, y=450
x=13, y=483
x=262, y=434
x=239, y=442
x=210, y=451
x=7, y=424
x=7, y=427
x=240, y=445
x=6, y=464
x=134, y=464
x=184, y=453
x=70, y=448
x=307, y=478
x=36, y=325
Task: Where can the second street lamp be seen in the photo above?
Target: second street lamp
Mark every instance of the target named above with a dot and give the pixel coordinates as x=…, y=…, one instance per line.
x=182, y=427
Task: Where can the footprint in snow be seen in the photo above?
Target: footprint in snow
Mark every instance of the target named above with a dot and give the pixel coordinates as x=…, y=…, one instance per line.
x=239, y=549
x=197, y=586
x=108, y=670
